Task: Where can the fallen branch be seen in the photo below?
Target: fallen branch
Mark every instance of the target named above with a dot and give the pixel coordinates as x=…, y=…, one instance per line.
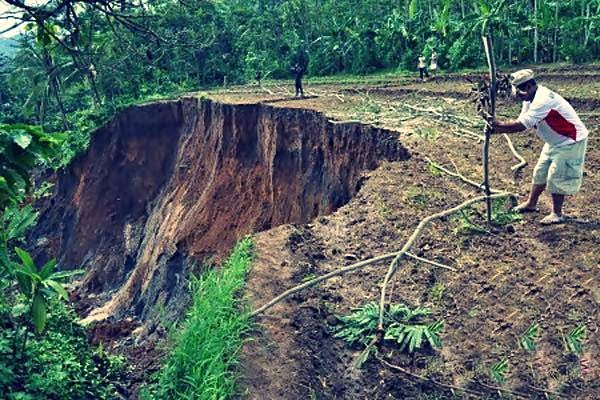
x=340, y=271
x=425, y=379
x=522, y=161
x=394, y=264
x=458, y=175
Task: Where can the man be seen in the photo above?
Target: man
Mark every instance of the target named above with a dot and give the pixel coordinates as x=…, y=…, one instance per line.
x=422, y=67
x=298, y=72
x=560, y=166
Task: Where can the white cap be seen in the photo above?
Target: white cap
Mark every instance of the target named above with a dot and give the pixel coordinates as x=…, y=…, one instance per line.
x=521, y=76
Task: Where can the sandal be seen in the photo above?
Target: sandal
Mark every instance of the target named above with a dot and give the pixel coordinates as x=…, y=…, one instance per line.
x=552, y=218
x=525, y=208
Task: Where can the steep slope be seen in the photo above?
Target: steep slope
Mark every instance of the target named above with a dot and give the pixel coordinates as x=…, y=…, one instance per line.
x=167, y=186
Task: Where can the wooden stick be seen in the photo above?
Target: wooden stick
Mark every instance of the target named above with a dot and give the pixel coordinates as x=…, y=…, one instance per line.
x=522, y=161
x=489, y=53
x=458, y=175
x=394, y=264
x=341, y=271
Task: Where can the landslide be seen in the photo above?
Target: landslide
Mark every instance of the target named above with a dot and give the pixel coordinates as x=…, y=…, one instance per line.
x=168, y=187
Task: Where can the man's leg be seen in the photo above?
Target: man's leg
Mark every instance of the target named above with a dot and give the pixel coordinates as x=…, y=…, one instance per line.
x=532, y=200
x=557, y=203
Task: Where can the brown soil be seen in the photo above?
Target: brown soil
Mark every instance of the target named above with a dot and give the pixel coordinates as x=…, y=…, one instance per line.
x=521, y=274
x=506, y=280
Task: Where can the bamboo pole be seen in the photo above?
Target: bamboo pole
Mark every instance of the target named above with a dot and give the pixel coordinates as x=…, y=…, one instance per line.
x=489, y=53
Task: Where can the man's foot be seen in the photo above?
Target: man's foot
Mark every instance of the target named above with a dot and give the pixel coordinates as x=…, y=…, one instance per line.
x=525, y=208
x=552, y=218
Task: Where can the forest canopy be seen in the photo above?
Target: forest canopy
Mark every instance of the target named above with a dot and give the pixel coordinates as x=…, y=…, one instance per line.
x=77, y=60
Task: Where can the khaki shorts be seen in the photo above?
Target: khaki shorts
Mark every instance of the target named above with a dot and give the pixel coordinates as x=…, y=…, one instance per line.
x=561, y=168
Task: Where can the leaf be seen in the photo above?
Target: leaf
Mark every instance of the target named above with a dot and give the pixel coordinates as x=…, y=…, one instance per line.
x=66, y=274
x=26, y=259
x=412, y=9
x=38, y=312
x=48, y=268
x=57, y=287
x=22, y=139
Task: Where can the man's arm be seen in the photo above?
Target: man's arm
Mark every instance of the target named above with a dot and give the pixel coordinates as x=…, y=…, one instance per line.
x=510, y=126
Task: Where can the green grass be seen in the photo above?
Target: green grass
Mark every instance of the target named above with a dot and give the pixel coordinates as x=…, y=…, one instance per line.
x=201, y=364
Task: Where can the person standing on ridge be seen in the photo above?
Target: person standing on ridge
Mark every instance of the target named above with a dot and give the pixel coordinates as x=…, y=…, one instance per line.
x=560, y=165
x=433, y=63
x=422, y=67
x=298, y=71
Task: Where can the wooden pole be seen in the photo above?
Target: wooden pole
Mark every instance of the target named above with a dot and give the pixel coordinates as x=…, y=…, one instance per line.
x=489, y=53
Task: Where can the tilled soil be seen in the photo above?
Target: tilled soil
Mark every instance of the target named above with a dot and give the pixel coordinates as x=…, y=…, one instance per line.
x=506, y=280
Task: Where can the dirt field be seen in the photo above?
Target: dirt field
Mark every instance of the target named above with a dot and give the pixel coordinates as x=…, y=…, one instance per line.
x=505, y=281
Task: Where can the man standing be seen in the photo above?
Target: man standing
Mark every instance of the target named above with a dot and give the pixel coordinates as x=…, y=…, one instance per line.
x=422, y=67
x=560, y=166
x=298, y=71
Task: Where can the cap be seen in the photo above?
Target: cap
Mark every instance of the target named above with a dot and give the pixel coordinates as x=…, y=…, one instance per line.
x=521, y=76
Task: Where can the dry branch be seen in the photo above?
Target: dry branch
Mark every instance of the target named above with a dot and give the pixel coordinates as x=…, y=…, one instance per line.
x=515, y=168
x=458, y=175
x=424, y=222
x=440, y=384
x=340, y=271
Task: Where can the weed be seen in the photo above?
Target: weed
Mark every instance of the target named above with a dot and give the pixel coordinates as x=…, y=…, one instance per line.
x=499, y=371
x=428, y=133
x=503, y=216
x=404, y=327
x=575, y=339
x=530, y=336
x=437, y=292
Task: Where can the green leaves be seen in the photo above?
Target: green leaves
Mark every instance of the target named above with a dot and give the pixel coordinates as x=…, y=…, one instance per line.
x=404, y=326
x=575, y=339
x=22, y=147
x=499, y=371
x=529, y=337
x=39, y=285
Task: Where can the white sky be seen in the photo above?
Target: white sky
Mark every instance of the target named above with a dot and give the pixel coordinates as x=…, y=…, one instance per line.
x=4, y=23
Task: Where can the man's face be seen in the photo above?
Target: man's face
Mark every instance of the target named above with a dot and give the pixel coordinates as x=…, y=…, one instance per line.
x=525, y=91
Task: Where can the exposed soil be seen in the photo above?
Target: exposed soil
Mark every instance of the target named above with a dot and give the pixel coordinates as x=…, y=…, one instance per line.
x=506, y=280
x=521, y=274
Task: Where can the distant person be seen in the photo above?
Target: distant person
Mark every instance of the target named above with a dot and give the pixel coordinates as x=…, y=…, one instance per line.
x=560, y=165
x=298, y=72
x=433, y=64
x=258, y=76
x=422, y=67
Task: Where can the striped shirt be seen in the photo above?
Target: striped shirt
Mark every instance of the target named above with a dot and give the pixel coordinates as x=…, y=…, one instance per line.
x=554, y=119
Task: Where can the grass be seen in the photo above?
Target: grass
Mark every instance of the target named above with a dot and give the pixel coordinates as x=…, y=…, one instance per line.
x=202, y=362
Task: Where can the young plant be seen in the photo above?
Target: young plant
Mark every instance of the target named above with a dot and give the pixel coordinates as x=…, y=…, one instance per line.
x=499, y=371
x=530, y=336
x=575, y=339
x=39, y=285
x=404, y=327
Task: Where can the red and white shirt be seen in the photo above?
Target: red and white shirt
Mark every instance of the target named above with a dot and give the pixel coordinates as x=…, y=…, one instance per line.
x=554, y=119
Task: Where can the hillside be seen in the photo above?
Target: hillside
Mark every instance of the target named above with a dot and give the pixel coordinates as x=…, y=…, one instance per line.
x=378, y=140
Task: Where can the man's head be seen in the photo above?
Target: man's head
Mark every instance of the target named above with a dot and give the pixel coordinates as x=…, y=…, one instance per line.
x=524, y=84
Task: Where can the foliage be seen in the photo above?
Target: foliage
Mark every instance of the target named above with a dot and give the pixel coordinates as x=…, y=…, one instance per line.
x=465, y=225
x=200, y=365
x=21, y=148
x=403, y=322
x=530, y=336
x=575, y=339
x=499, y=371
x=77, y=59
x=39, y=285
x=56, y=365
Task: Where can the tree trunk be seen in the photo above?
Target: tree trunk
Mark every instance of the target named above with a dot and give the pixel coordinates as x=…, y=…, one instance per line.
x=555, y=39
x=535, y=32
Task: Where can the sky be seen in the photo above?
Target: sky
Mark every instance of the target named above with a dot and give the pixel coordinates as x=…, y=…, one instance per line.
x=7, y=23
